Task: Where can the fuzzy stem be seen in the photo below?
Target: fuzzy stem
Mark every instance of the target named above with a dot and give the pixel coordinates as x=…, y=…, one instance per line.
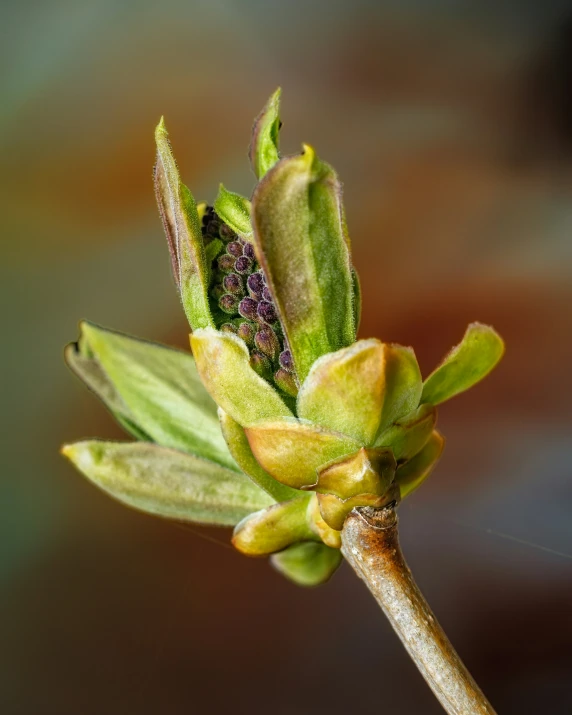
x=370, y=544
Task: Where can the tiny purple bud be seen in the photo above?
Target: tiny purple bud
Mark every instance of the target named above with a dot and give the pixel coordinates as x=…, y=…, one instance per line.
x=267, y=342
x=226, y=232
x=249, y=250
x=247, y=308
x=228, y=303
x=234, y=248
x=285, y=360
x=246, y=332
x=228, y=328
x=243, y=265
x=267, y=295
x=233, y=284
x=255, y=285
x=226, y=263
x=286, y=382
x=267, y=312
x=261, y=365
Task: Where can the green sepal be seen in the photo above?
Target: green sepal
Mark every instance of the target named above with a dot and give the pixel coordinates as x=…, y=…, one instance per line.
x=162, y=390
x=234, y=210
x=403, y=384
x=368, y=471
x=412, y=474
x=466, y=364
x=344, y=391
x=408, y=436
x=308, y=563
x=293, y=451
x=264, y=145
x=166, y=482
x=300, y=241
x=240, y=450
x=183, y=230
x=223, y=362
x=93, y=376
x=274, y=528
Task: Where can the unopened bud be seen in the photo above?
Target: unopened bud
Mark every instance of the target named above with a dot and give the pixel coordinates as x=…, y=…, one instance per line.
x=243, y=265
x=286, y=382
x=267, y=342
x=246, y=331
x=228, y=303
x=235, y=248
x=233, y=284
x=248, y=308
x=255, y=285
x=226, y=263
x=261, y=364
x=267, y=312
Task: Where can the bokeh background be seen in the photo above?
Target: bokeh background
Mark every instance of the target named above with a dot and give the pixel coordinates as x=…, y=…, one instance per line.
x=451, y=126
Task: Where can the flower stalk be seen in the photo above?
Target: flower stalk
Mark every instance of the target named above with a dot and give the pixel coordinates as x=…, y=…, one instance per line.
x=370, y=544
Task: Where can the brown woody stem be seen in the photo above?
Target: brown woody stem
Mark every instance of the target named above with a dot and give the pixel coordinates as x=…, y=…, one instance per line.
x=370, y=544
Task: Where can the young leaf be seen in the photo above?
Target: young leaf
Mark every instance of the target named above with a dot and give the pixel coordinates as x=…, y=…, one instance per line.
x=223, y=363
x=166, y=482
x=163, y=392
x=403, y=384
x=240, y=449
x=409, y=435
x=413, y=473
x=308, y=563
x=234, y=210
x=292, y=451
x=263, y=150
x=344, y=391
x=274, y=528
x=92, y=374
x=301, y=243
x=468, y=362
x=182, y=226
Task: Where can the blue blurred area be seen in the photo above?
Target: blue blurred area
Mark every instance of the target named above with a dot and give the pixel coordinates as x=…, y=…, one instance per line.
x=451, y=125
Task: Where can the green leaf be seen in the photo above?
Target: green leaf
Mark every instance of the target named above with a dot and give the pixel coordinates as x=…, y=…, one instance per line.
x=409, y=435
x=274, y=528
x=183, y=229
x=240, y=449
x=413, y=473
x=468, y=362
x=162, y=390
x=234, y=210
x=166, y=482
x=300, y=241
x=93, y=375
x=344, y=391
x=263, y=150
x=292, y=451
x=403, y=384
x=223, y=363
x=308, y=563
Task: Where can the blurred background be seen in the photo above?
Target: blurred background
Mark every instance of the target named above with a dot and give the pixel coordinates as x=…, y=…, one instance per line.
x=451, y=125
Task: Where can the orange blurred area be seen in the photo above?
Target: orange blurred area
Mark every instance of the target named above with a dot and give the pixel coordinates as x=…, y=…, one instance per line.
x=450, y=125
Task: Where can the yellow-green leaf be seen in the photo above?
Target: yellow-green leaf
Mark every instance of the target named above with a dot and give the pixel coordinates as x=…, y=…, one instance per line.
x=223, y=363
x=292, y=451
x=168, y=483
x=182, y=226
x=234, y=210
x=468, y=362
x=308, y=563
x=264, y=151
x=301, y=243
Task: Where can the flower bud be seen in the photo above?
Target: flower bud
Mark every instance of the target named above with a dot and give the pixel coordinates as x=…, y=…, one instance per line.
x=261, y=365
x=255, y=285
x=228, y=303
x=246, y=331
x=226, y=263
x=286, y=382
x=235, y=248
x=243, y=265
x=285, y=360
x=233, y=284
x=267, y=312
x=248, y=308
x=267, y=342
